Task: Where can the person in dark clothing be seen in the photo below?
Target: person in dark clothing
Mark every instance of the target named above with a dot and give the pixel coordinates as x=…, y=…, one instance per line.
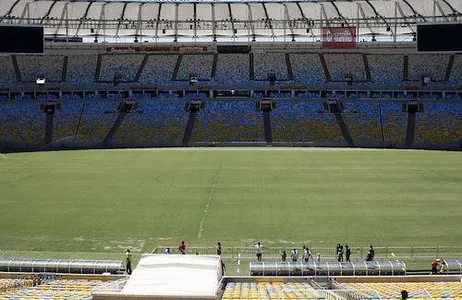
x=219, y=248
x=347, y=253
x=404, y=295
x=372, y=252
x=223, y=267
x=283, y=255
x=128, y=261
x=339, y=252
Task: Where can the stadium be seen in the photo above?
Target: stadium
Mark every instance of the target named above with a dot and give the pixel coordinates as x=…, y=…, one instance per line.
x=278, y=129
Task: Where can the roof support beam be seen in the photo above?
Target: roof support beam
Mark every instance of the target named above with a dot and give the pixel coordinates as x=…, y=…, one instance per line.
x=10, y=11
x=437, y=6
x=214, y=29
x=251, y=21
x=84, y=18
x=158, y=21
x=139, y=23
x=121, y=20
x=102, y=21
x=195, y=20
x=268, y=20
x=287, y=22
x=25, y=12
x=231, y=18
x=64, y=19
x=400, y=10
x=176, y=22
x=49, y=11
x=363, y=15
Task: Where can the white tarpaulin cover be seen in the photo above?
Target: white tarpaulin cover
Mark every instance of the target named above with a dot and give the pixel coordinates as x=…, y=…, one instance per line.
x=175, y=275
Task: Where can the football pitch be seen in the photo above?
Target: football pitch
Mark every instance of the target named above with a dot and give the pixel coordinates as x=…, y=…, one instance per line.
x=97, y=203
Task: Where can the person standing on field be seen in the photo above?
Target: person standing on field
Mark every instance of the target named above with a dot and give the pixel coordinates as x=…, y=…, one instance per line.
x=306, y=254
x=128, y=261
x=223, y=267
x=182, y=248
x=294, y=255
x=259, y=250
x=219, y=249
x=347, y=253
x=283, y=255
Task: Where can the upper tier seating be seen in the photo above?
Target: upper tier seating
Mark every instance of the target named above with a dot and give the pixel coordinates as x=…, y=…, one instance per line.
x=307, y=68
x=197, y=64
x=81, y=70
x=265, y=63
x=386, y=69
x=120, y=67
x=232, y=69
x=158, y=70
x=32, y=67
x=345, y=64
x=7, y=73
x=434, y=66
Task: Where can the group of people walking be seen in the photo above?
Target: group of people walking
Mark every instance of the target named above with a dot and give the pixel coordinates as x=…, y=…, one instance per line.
x=438, y=267
x=341, y=251
x=306, y=255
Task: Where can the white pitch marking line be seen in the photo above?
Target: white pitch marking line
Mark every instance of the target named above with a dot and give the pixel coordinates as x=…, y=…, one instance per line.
x=201, y=227
x=3, y=156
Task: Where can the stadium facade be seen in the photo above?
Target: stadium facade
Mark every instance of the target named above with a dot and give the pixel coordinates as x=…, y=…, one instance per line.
x=305, y=73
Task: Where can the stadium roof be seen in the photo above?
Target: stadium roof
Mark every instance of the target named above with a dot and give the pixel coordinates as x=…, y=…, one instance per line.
x=270, y=18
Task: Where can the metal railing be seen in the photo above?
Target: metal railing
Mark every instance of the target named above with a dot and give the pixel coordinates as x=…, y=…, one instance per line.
x=328, y=253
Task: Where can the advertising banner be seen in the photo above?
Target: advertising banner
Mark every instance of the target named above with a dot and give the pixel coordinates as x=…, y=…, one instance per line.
x=130, y=49
x=339, y=37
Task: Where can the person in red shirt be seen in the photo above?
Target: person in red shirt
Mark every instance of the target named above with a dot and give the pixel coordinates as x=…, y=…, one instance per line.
x=435, y=265
x=182, y=247
x=223, y=267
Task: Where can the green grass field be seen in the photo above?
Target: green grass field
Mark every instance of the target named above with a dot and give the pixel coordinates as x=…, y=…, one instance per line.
x=97, y=203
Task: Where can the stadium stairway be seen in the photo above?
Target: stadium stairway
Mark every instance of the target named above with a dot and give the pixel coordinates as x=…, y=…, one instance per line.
x=177, y=67
x=267, y=127
x=447, y=75
x=251, y=67
x=405, y=68
x=48, y=138
x=367, y=68
x=64, y=72
x=141, y=68
x=16, y=68
x=98, y=67
x=189, y=129
x=290, y=73
x=324, y=67
x=118, y=122
x=214, y=66
x=345, y=132
x=410, y=131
